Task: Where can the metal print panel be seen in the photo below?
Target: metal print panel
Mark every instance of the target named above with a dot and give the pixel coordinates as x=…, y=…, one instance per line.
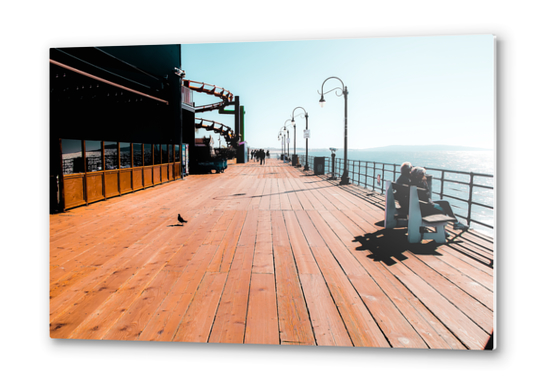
x=323, y=192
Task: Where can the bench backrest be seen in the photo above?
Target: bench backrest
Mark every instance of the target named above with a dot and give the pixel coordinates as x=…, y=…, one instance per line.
x=404, y=188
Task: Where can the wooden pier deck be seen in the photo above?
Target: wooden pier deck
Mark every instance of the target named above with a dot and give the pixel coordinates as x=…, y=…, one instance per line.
x=270, y=255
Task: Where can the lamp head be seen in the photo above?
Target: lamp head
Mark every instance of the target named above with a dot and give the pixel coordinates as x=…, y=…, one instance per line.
x=179, y=72
x=322, y=101
x=293, y=122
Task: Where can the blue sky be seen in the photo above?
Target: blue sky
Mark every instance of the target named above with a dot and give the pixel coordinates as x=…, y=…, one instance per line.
x=401, y=91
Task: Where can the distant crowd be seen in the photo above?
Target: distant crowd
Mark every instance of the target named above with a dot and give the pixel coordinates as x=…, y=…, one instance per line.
x=259, y=154
x=416, y=176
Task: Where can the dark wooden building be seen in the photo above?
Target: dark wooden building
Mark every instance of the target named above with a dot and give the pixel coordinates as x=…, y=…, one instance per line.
x=117, y=123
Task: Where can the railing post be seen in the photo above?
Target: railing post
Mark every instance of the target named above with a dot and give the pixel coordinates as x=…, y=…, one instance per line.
x=374, y=175
x=359, y=172
x=382, y=179
x=442, y=186
x=366, y=170
x=471, y=187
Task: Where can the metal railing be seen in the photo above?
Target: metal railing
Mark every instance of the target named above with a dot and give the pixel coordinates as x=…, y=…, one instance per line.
x=469, y=193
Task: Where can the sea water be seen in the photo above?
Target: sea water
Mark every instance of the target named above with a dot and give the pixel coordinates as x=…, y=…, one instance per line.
x=478, y=162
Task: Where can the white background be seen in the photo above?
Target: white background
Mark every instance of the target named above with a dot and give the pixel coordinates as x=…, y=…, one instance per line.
x=28, y=29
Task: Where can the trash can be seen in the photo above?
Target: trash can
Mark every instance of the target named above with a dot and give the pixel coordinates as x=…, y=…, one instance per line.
x=295, y=160
x=319, y=165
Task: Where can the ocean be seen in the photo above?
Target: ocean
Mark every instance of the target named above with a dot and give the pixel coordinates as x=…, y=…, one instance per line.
x=478, y=162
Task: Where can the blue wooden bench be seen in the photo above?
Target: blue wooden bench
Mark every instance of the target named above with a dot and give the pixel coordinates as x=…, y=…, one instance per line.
x=413, y=220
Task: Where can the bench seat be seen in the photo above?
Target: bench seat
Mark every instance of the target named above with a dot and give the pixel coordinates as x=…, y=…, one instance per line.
x=415, y=223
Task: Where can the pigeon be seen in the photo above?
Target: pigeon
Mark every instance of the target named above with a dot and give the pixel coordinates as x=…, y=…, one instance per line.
x=181, y=220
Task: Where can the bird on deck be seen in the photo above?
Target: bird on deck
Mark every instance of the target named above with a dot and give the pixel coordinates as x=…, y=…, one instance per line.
x=181, y=220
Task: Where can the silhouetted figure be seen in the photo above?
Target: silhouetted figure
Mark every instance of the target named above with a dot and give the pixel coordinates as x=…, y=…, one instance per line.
x=181, y=220
x=402, y=195
x=418, y=178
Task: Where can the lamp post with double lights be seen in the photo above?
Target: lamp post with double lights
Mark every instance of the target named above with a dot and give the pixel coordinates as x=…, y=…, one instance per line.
x=341, y=91
x=306, y=137
x=287, y=136
x=281, y=139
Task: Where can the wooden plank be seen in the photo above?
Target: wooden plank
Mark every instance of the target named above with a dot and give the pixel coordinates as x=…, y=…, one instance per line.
x=291, y=274
x=263, y=253
x=302, y=194
x=292, y=195
x=426, y=324
x=326, y=321
x=98, y=323
x=274, y=204
x=229, y=324
x=477, y=311
x=167, y=318
x=132, y=257
x=300, y=247
x=294, y=322
x=262, y=321
x=470, y=334
x=197, y=323
x=327, y=324
x=132, y=323
x=265, y=201
x=283, y=196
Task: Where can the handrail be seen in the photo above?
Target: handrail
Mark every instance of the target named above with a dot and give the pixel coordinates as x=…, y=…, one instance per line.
x=462, y=192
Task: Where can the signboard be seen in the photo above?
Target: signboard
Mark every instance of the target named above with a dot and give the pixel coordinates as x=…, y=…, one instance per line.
x=307, y=134
x=288, y=141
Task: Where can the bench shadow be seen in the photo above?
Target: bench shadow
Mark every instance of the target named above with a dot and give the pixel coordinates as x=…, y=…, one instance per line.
x=389, y=245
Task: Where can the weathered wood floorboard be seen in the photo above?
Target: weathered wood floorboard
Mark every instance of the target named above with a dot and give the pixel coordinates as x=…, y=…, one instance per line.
x=270, y=255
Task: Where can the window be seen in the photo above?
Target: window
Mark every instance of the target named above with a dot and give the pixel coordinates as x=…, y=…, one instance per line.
x=111, y=155
x=170, y=151
x=157, y=154
x=72, y=156
x=148, y=154
x=177, y=155
x=138, y=155
x=164, y=153
x=125, y=155
x=94, y=155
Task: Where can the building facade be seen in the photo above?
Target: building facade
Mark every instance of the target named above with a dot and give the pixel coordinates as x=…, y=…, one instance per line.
x=118, y=119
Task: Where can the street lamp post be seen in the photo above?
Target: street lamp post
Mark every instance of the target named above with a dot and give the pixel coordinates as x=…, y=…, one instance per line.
x=287, y=136
x=288, y=141
x=342, y=91
x=281, y=139
x=306, y=139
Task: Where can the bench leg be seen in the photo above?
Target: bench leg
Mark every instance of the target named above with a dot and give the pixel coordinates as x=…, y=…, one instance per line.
x=414, y=235
x=439, y=235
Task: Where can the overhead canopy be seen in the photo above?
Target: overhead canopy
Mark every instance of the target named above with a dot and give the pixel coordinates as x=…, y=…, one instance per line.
x=100, y=65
